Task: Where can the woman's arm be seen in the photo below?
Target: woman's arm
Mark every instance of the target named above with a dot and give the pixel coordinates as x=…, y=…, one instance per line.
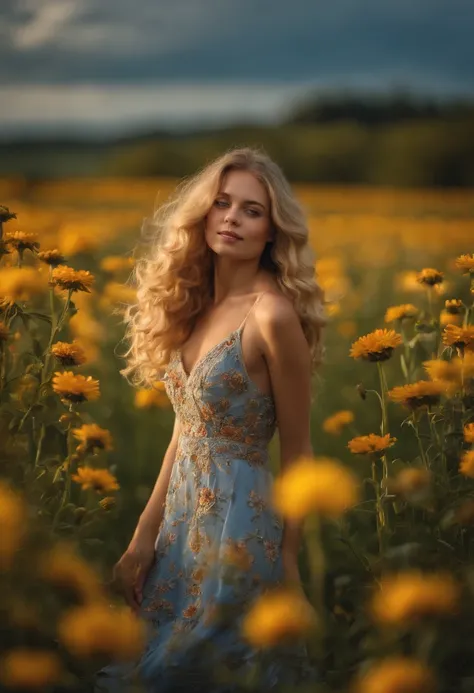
x=150, y=519
x=288, y=358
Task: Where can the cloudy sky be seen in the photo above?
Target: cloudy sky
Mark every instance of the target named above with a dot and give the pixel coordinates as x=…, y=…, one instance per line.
x=113, y=65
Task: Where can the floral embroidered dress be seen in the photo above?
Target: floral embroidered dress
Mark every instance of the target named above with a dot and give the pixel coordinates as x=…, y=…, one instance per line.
x=219, y=542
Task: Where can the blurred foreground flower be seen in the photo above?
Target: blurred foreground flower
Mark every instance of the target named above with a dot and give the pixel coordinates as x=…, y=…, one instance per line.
x=366, y=445
x=75, y=388
x=409, y=596
x=63, y=567
x=21, y=284
x=412, y=483
x=466, y=466
x=278, y=615
x=469, y=433
x=376, y=346
x=397, y=675
x=100, y=480
x=30, y=669
x=424, y=393
x=152, y=397
x=116, y=263
x=315, y=485
x=72, y=280
x=335, y=423
x=97, y=629
x=92, y=437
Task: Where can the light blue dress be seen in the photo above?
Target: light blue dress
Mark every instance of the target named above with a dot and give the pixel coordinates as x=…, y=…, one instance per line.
x=219, y=543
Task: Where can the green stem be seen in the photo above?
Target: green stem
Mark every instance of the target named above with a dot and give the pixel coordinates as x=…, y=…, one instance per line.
x=316, y=561
x=420, y=444
x=68, y=472
x=379, y=512
x=383, y=399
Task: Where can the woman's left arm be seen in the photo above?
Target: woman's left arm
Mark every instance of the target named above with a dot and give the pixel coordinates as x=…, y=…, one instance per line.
x=289, y=362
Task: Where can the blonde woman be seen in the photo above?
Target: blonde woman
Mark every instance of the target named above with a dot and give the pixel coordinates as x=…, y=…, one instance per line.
x=229, y=316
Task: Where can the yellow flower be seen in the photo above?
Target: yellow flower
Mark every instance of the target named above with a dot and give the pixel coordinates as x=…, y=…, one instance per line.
x=466, y=466
x=446, y=318
x=52, y=257
x=424, y=393
x=430, y=277
x=397, y=675
x=371, y=444
x=155, y=397
x=92, y=438
x=97, y=629
x=315, y=485
x=335, y=423
x=101, y=480
x=459, y=336
x=277, y=615
x=21, y=284
x=75, y=388
x=115, y=292
x=72, y=280
x=454, y=306
x=69, y=354
x=469, y=433
x=376, y=346
x=30, y=668
x=13, y=521
x=116, y=263
x=465, y=263
x=22, y=240
x=409, y=596
x=63, y=567
x=4, y=332
x=107, y=503
x=404, y=312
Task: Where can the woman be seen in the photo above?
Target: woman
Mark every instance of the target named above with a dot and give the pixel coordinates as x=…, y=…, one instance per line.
x=229, y=316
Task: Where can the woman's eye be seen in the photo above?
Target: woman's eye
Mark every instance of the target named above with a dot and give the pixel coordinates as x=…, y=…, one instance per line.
x=253, y=212
x=220, y=203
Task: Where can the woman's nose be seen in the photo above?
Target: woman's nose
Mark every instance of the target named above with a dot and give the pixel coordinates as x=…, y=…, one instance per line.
x=231, y=217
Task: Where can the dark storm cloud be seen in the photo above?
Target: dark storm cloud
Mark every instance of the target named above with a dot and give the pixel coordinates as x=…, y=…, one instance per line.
x=64, y=41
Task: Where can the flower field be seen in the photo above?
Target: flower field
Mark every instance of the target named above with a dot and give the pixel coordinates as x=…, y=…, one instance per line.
x=387, y=502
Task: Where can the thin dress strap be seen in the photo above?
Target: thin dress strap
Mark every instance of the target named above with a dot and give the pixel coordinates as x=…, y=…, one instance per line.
x=251, y=309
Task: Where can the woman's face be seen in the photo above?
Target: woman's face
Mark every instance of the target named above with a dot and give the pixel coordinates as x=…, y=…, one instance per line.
x=241, y=209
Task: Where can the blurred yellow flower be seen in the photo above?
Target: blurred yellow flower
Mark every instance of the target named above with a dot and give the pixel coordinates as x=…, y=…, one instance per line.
x=376, y=346
x=278, y=615
x=22, y=240
x=69, y=354
x=465, y=263
x=405, y=311
x=336, y=422
x=412, y=483
x=459, y=336
x=100, y=480
x=63, y=567
x=370, y=444
x=52, y=257
x=409, y=596
x=315, y=485
x=108, y=502
x=397, y=675
x=430, y=277
x=155, y=397
x=469, y=433
x=407, y=282
x=347, y=328
x=423, y=393
x=454, y=306
x=13, y=523
x=29, y=668
x=446, y=318
x=21, y=284
x=70, y=279
x=115, y=292
x=75, y=388
x=97, y=629
x=92, y=437
x=466, y=466
x=116, y=263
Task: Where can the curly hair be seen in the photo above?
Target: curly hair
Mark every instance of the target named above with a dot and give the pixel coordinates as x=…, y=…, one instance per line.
x=174, y=279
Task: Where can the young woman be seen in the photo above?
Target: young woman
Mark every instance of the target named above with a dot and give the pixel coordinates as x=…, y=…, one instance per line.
x=229, y=316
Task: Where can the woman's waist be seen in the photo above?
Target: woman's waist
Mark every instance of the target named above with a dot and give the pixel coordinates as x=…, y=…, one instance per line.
x=253, y=450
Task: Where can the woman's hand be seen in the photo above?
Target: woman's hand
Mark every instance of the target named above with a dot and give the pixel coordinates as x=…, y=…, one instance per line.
x=131, y=570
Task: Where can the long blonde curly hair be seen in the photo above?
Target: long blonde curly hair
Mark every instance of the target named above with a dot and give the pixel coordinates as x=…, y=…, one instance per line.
x=174, y=279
